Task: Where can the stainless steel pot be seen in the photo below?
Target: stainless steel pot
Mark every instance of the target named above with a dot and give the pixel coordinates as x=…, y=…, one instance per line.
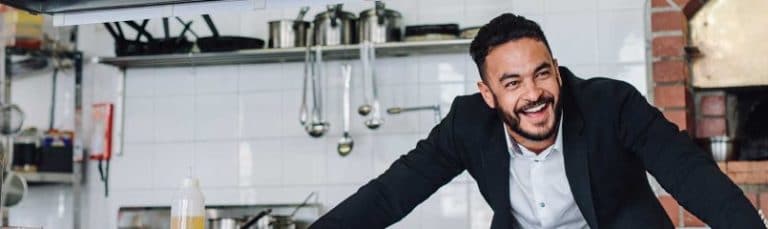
x=380, y=25
x=288, y=33
x=240, y=223
x=335, y=27
x=282, y=222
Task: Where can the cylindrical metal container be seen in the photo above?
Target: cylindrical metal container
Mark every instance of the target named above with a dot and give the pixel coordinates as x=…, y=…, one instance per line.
x=335, y=27
x=380, y=25
x=288, y=33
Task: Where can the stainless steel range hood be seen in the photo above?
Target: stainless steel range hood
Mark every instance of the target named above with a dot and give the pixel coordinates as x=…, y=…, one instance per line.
x=54, y=7
x=76, y=12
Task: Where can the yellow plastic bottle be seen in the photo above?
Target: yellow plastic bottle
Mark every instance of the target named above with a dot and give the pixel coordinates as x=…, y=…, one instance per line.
x=188, y=209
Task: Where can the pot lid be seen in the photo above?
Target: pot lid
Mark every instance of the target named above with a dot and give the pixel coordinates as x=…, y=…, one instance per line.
x=385, y=12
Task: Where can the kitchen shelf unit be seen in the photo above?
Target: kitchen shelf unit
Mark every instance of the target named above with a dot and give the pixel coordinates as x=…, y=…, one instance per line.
x=75, y=178
x=47, y=177
x=257, y=56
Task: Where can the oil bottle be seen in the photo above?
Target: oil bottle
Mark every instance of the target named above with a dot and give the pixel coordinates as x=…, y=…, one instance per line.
x=188, y=209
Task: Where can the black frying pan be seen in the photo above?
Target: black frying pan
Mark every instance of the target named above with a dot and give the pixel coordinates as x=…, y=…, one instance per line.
x=217, y=43
x=124, y=47
x=420, y=30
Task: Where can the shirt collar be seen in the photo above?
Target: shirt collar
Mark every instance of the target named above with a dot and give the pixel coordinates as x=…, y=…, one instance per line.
x=516, y=150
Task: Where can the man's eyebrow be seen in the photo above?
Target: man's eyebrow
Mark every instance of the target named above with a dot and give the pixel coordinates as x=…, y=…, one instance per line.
x=508, y=76
x=517, y=75
x=542, y=66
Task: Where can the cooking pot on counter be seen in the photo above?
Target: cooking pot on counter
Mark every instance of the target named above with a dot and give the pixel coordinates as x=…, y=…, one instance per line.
x=380, y=25
x=335, y=27
x=239, y=223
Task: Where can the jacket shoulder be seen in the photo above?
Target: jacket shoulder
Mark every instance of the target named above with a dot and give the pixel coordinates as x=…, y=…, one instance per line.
x=599, y=94
x=471, y=107
x=601, y=88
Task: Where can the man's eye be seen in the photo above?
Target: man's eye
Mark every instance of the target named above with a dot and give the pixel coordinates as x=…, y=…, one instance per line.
x=542, y=74
x=511, y=84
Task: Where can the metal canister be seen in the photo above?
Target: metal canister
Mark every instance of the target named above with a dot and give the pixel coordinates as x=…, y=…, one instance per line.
x=283, y=222
x=380, y=25
x=288, y=33
x=335, y=27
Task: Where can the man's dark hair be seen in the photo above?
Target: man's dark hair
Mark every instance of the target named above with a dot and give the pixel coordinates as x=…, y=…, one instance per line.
x=504, y=28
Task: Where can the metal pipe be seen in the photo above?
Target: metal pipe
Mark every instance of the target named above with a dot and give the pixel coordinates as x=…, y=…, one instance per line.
x=78, y=141
x=7, y=154
x=399, y=110
x=52, y=114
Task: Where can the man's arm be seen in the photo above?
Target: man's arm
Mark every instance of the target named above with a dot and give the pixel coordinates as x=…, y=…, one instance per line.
x=408, y=182
x=691, y=177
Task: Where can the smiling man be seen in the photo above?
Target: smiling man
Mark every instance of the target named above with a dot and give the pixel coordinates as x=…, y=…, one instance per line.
x=550, y=150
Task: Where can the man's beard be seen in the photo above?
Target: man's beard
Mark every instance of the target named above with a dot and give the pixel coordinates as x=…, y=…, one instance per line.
x=514, y=123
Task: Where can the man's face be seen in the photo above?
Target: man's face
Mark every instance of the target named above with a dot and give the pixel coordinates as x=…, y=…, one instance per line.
x=523, y=83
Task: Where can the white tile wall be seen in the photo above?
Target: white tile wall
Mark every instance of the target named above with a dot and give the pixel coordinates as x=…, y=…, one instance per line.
x=173, y=162
x=237, y=126
x=216, y=79
x=572, y=37
x=216, y=163
x=216, y=117
x=260, y=115
x=261, y=162
x=174, y=118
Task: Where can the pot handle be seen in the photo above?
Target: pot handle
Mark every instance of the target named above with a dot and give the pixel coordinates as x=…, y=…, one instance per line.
x=300, y=18
x=255, y=219
x=334, y=13
x=380, y=12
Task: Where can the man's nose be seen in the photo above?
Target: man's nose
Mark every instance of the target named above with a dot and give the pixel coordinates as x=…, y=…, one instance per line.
x=532, y=91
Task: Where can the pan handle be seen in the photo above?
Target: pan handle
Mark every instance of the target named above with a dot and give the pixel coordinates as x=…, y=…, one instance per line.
x=120, y=30
x=165, y=28
x=211, y=25
x=143, y=27
x=256, y=218
x=186, y=24
x=141, y=30
x=111, y=31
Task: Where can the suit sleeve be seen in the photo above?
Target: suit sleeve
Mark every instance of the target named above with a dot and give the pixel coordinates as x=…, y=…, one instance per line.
x=409, y=181
x=681, y=168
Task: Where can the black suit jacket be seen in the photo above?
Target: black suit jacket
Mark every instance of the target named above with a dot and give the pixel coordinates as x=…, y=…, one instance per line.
x=611, y=137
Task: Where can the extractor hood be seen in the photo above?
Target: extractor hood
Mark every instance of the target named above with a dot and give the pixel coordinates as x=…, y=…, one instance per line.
x=75, y=12
x=54, y=7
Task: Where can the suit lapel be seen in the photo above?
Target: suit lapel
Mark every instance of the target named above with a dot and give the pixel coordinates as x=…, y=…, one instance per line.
x=575, y=145
x=496, y=167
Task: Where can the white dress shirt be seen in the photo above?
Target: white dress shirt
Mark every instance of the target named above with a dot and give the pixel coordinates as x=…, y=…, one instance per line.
x=539, y=191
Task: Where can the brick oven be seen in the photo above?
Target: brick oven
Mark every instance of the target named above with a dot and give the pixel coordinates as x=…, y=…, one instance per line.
x=714, y=92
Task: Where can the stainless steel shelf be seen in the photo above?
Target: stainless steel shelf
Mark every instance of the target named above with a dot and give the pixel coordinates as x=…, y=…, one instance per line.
x=47, y=177
x=340, y=52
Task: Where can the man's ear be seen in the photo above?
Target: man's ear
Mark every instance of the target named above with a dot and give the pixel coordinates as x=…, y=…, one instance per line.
x=488, y=97
x=557, y=71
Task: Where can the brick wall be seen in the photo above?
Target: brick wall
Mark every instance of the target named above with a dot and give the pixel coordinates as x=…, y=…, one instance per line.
x=672, y=91
x=711, y=114
x=671, y=78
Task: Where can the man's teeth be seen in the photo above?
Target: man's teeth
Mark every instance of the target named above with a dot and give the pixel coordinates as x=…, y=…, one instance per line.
x=535, y=109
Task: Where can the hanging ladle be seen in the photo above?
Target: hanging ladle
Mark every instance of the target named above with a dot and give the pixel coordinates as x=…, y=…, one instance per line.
x=346, y=143
x=318, y=127
x=365, y=108
x=375, y=121
x=303, y=111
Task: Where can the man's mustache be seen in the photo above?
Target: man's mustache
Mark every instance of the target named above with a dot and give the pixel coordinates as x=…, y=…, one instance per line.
x=542, y=100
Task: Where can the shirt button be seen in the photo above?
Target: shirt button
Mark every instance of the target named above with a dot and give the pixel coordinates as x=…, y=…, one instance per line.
x=541, y=204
